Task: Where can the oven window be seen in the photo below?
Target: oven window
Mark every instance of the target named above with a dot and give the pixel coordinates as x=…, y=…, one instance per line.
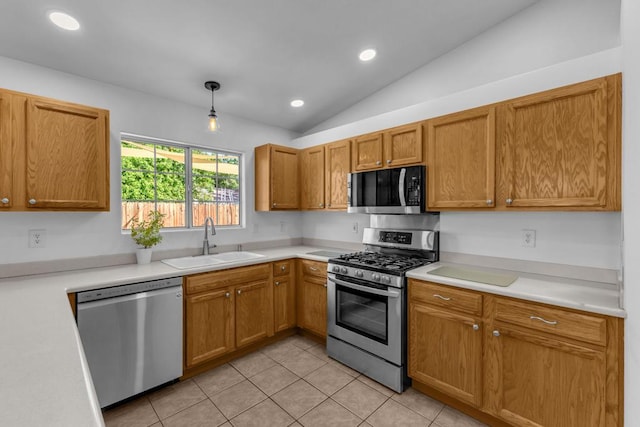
x=362, y=312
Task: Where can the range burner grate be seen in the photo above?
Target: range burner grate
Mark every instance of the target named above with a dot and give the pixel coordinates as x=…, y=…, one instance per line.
x=391, y=262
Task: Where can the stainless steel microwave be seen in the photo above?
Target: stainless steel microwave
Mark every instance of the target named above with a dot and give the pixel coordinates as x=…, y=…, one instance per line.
x=387, y=191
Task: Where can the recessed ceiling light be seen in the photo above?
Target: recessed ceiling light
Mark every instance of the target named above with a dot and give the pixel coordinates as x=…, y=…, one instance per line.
x=297, y=103
x=64, y=21
x=367, y=55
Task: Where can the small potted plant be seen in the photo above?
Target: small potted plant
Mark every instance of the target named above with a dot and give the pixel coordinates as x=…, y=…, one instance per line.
x=146, y=233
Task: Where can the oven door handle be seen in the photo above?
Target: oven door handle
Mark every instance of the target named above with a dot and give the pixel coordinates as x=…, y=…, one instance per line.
x=390, y=294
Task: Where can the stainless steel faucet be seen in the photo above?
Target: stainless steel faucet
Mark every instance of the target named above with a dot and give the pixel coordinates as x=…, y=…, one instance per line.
x=205, y=243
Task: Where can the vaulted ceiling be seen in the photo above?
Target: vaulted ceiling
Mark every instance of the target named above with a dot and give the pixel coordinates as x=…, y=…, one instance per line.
x=264, y=53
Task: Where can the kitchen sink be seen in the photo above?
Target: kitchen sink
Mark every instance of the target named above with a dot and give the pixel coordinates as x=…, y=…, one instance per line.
x=236, y=256
x=208, y=260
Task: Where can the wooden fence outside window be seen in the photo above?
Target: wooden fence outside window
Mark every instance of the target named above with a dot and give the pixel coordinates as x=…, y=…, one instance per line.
x=222, y=213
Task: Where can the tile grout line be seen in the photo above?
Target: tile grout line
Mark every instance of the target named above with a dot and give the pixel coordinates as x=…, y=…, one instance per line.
x=207, y=397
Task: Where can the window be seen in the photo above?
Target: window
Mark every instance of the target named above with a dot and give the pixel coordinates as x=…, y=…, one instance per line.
x=185, y=183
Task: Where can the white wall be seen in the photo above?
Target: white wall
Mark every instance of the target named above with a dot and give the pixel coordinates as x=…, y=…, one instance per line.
x=546, y=33
x=79, y=234
x=525, y=45
x=631, y=205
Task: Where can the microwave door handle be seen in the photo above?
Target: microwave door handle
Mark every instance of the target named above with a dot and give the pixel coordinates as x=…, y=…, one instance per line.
x=390, y=294
x=403, y=173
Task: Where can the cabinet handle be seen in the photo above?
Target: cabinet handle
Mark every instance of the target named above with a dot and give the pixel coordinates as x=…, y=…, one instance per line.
x=277, y=283
x=329, y=205
x=496, y=333
x=325, y=285
x=32, y=201
x=321, y=205
x=548, y=322
x=475, y=326
x=275, y=204
x=388, y=161
x=239, y=291
x=313, y=268
x=227, y=295
x=283, y=267
x=441, y=297
x=5, y=200
x=489, y=202
x=509, y=201
x=378, y=163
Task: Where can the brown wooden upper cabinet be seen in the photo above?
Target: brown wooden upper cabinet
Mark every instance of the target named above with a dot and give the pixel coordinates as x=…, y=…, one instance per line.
x=276, y=175
x=390, y=148
x=337, y=168
x=461, y=160
x=312, y=175
x=560, y=149
x=54, y=155
x=323, y=172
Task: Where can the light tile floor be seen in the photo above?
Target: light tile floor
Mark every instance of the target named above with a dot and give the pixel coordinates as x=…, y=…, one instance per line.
x=289, y=383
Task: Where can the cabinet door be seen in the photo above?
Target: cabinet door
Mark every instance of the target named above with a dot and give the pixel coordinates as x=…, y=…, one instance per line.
x=284, y=295
x=284, y=178
x=403, y=145
x=367, y=152
x=312, y=304
x=445, y=352
x=6, y=152
x=67, y=151
x=312, y=178
x=534, y=380
x=254, y=312
x=337, y=168
x=208, y=325
x=461, y=160
x=558, y=149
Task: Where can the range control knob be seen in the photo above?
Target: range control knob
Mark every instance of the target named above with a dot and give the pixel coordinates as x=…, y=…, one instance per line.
x=359, y=273
x=344, y=270
x=336, y=269
x=375, y=276
x=386, y=279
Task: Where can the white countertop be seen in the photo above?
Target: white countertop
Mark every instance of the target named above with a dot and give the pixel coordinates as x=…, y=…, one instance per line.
x=594, y=297
x=44, y=376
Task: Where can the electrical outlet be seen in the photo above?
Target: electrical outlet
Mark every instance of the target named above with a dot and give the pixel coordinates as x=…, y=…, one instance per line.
x=529, y=238
x=354, y=227
x=37, y=238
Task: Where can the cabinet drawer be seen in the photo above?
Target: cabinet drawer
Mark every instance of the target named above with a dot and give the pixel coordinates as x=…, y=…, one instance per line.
x=222, y=278
x=313, y=268
x=583, y=327
x=282, y=268
x=445, y=296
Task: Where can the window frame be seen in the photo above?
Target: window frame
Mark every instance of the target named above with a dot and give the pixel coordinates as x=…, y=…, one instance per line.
x=188, y=176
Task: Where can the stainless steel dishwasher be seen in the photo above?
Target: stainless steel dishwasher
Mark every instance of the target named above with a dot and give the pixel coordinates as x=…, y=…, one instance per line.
x=132, y=336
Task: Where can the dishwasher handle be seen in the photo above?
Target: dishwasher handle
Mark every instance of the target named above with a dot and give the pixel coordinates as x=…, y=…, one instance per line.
x=128, y=289
x=177, y=290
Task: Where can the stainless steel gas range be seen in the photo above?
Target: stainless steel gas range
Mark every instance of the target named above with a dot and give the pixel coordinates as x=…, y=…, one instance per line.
x=367, y=302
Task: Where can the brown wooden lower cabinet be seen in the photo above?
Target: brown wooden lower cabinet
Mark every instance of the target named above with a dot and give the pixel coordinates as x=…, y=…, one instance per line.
x=312, y=296
x=526, y=364
x=209, y=324
x=254, y=312
x=225, y=310
x=446, y=352
x=284, y=295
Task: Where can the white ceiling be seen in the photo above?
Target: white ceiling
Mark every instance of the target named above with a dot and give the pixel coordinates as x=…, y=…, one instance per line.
x=263, y=52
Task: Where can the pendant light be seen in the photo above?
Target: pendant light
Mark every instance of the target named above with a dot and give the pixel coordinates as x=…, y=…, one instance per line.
x=214, y=124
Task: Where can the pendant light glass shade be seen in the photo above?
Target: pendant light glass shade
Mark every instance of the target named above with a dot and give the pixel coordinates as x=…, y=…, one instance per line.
x=214, y=123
